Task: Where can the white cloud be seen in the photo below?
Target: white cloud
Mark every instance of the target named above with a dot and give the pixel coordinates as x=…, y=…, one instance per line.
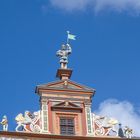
x=131, y=6
x=123, y=111
x=70, y=5
x=118, y=5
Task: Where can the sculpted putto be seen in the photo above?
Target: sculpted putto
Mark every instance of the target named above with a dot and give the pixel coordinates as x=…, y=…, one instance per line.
x=4, y=123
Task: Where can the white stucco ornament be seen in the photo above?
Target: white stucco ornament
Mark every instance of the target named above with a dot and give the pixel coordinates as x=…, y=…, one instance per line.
x=29, y=122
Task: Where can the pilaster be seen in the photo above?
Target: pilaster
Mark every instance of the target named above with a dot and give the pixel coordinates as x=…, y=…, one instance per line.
x=89, y=120
x=44, y=116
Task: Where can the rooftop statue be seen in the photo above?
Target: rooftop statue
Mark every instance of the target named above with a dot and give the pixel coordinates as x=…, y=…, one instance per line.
x=65, y=51
x=4, y=123
x=63, y=54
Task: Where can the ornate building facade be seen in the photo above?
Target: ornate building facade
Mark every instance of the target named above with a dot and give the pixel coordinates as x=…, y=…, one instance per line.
x=65, y=111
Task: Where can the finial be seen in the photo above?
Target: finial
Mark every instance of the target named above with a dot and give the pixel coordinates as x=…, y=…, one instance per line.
x=120, y=131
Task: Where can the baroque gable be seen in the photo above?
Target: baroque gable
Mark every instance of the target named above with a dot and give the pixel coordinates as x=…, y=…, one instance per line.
x=64, y=85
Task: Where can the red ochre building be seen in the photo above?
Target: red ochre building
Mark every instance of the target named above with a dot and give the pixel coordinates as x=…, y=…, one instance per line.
x=65, y=113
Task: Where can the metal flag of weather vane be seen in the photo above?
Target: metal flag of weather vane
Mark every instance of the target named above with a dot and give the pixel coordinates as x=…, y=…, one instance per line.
x=70, y=37
x=65, y=51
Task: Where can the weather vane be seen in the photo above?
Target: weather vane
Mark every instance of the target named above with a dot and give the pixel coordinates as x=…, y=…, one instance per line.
x=65, y=51
x=70, y=37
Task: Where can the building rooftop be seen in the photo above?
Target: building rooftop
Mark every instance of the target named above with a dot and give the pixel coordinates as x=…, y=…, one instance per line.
x=31, y=136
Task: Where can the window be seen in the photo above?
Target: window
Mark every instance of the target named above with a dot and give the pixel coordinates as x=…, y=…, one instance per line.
x=67, y=126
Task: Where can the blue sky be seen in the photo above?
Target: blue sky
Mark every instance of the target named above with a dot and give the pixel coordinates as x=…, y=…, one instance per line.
x=105, y=56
